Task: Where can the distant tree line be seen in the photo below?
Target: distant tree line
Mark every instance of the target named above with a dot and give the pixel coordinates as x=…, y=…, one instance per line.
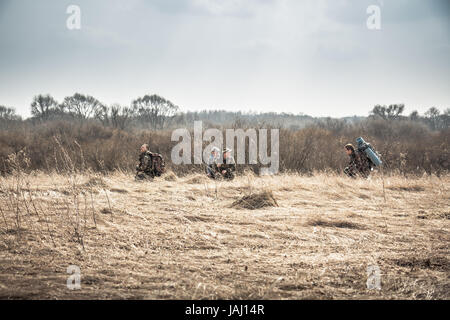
x=157, y=113
x=106, y=138
x=149, y=111
x=433, y=118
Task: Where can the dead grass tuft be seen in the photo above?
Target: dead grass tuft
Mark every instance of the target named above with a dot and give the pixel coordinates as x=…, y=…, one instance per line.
x=408, y=188
x=335, y=224
x=197, y=179
x=256, y=201
x=433, y=263
x=117, y=190
x=96, y=182
x=106, y=211
x=170, y=176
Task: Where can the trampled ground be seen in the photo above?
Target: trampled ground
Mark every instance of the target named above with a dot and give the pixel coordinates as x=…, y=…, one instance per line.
x=182, y=238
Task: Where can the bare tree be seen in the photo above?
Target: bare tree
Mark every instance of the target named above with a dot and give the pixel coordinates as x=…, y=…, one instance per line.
x=43, y=106
x=102, y=115
x=433, y=118
x=388, y=113
x=446, y=118
x=154, y=110
x=117, y=116
x=82, y=106
x=8, y=113
x=432, y=113
x=121, y=116
x=414, y=115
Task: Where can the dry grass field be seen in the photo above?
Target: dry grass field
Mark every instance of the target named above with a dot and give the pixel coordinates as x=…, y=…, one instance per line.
x=280, y=237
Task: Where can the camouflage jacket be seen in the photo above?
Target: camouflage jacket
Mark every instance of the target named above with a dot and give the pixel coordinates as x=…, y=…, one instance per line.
x=228, y=165
x=145, y=163
x=359, y=163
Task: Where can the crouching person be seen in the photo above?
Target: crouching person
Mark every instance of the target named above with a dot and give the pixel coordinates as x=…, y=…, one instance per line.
x=228, y=166
x=359, y=164
x=150, y=165
x=212, y=161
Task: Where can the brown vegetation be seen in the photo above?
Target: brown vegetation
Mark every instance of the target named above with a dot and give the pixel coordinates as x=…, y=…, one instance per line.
x=176, y=240
x=406, y=148
x=68, y=197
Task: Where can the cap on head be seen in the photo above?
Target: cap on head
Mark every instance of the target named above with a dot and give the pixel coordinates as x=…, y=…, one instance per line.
x=215, y=149
x=226, y=150
x=350, y=147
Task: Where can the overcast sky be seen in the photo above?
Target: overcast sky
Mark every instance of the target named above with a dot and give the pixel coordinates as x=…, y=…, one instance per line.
x=314, y=57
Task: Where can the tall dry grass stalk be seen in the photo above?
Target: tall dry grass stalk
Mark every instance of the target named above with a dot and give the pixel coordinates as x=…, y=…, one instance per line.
x=74, y=199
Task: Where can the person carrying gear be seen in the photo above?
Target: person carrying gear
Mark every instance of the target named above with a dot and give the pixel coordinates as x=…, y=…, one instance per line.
x=359, y=164
x=228, y=165
x=210, y=165
x=150, y=164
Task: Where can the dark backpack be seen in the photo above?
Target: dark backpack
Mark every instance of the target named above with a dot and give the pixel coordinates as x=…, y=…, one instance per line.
x=158, y=164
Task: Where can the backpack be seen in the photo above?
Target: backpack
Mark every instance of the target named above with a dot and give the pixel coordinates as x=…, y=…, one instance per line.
x=369, y=151
x=158, y=164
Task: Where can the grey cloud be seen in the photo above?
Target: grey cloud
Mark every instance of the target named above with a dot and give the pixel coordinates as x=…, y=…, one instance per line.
x=242, y=53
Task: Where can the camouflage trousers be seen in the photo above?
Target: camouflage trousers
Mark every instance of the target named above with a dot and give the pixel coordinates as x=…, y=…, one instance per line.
x=210, y=172
x=349, y=172
x=143, y=176
x=354, y=173
x=213, y=174
x=229, y=175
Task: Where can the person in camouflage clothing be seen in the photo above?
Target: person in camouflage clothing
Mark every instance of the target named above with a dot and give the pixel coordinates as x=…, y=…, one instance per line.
x=359, y=164
x=211, y=164
x=144, y=170
x=228, y=166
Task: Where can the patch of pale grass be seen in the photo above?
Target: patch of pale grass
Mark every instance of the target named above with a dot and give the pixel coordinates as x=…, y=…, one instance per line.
x=182, y=239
